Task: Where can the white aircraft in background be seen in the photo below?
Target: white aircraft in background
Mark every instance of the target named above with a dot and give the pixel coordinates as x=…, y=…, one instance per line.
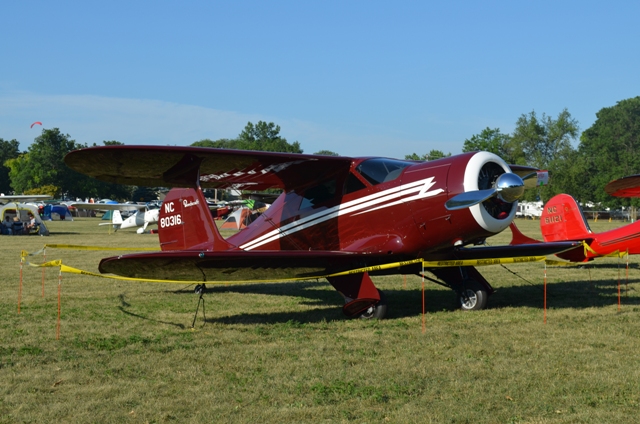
x=141, y=218
x=23, y=198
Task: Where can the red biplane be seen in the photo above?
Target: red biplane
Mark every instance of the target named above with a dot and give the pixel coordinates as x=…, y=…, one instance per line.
x=335, y=214
x=562, y=219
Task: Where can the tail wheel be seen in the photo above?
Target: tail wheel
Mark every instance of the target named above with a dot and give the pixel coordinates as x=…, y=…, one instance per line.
x=377, y=311
x=473, y=296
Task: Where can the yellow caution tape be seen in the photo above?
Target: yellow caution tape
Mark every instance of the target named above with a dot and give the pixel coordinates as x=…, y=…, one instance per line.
x=374, y=268
x=71, y=270
x=427, y=264
x=443, y=264
x=551, y=262
x=588, y=249
x=81, y=247
x=483, y=262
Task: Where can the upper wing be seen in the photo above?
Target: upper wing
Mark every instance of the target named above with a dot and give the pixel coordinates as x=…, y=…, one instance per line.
x=23, y=198
x=256, y=265
x=108, y=206
x=624, y=187
x=542, y=177
x=171, y=166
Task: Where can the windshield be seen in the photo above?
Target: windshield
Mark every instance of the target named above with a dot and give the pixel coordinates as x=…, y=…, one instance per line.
x=381, y=170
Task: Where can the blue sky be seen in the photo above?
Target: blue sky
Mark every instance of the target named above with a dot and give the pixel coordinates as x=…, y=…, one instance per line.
x=361, y=78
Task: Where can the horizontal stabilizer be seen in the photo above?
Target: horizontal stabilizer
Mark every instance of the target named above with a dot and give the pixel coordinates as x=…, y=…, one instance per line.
x=511, y=251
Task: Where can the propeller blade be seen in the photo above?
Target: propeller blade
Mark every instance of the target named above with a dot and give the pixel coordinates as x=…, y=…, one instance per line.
x=510, y=187
x=469, y=198
x=530, y=180
x=536, y=179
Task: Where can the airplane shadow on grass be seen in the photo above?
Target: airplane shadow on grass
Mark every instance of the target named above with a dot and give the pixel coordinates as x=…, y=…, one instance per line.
x=327, y=304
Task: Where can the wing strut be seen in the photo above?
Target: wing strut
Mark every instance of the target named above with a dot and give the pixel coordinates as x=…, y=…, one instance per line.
x=185, y=173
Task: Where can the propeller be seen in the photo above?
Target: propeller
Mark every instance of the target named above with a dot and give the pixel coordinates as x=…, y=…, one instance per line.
x=508, y=187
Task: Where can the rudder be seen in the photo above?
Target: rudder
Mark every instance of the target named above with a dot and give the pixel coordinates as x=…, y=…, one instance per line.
x=185, y=223
x=562, y=219
x=116, y=218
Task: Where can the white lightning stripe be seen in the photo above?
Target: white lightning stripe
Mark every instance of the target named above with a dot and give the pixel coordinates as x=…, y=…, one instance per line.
x=421, y=195
x=331, y=211
x=355, y=205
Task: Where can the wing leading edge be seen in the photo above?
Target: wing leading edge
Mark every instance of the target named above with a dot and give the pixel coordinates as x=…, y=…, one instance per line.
x=239, y=265
x=172, y=166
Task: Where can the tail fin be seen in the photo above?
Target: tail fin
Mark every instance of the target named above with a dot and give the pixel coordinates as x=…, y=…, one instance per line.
x=562, y=219
x=116, y=218
x=185, y=223
x=518, y=238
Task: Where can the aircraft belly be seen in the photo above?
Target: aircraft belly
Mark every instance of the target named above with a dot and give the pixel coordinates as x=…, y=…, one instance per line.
x=234, y=265
x=202, y=270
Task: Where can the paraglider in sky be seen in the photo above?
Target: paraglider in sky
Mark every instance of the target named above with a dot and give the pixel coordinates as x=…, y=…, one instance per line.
x=37, y=122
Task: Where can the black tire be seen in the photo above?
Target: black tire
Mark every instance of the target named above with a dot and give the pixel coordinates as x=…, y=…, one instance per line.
x=377, y=311
x=473, y=296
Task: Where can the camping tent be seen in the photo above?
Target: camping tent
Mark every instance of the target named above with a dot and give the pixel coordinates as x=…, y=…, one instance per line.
x=56, y=213
x=239, y=219
x=21, y=211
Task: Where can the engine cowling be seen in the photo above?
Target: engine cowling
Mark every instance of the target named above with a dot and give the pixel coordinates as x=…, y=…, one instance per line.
x=482, y=173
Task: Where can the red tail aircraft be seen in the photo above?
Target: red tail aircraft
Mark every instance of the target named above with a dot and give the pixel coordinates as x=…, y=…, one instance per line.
x=562, y=220
x=335, y=215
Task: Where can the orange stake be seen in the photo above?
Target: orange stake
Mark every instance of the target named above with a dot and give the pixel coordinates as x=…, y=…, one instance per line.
x=545, y=293
x=626, y=292
x=44, y=259
x=618, y=283
x=424, y=323
x=20, y=287
x=59, y=296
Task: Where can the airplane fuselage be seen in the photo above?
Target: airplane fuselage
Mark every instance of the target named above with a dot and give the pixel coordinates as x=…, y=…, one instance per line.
x=402, y=216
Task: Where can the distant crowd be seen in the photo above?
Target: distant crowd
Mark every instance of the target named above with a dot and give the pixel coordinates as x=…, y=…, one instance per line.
x=14, y=226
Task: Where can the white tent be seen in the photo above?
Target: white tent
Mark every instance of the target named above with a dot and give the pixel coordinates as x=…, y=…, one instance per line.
x=21, y=212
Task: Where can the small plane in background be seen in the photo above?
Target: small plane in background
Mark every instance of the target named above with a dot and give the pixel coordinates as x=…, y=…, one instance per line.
x=142, y=217
x=23, y=198
x=562, y=219
x=336, y=215
x=17, y=209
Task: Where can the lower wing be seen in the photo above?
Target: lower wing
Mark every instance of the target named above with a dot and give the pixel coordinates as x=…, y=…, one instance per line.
x=240, y=265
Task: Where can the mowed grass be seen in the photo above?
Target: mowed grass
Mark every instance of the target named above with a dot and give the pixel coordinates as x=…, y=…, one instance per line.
x=273, y=353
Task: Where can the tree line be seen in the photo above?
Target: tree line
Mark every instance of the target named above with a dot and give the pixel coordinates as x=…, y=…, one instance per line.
x=608, y=150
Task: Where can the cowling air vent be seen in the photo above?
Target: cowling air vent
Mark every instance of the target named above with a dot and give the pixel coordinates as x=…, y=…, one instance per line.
x=487, y=177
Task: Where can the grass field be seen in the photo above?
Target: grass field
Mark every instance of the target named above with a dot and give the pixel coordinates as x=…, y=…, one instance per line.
x=273, y=353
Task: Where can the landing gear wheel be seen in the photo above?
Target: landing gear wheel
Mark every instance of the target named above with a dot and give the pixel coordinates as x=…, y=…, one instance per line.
x=473, y=296
x=377, y=311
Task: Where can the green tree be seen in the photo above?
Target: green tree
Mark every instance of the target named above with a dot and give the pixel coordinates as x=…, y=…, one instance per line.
x=144, y=194
x=570, y=175
x=610, y=148
x=46, y=160
x=43, y=165
x=545, y=140
x=261, y=136
x=8, y=150
x=432, y=155
x=547, y=144
x=492, y=140
x=223, y=143
x=326, y=153
x=19, y=173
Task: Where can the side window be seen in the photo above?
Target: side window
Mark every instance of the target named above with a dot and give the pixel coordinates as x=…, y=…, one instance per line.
x=316, y=195
x=381, y=170
x=353, y=184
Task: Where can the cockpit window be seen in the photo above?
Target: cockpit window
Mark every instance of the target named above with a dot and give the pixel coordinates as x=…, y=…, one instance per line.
x=318, y=194
x=353, y=184
x=381, y=170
